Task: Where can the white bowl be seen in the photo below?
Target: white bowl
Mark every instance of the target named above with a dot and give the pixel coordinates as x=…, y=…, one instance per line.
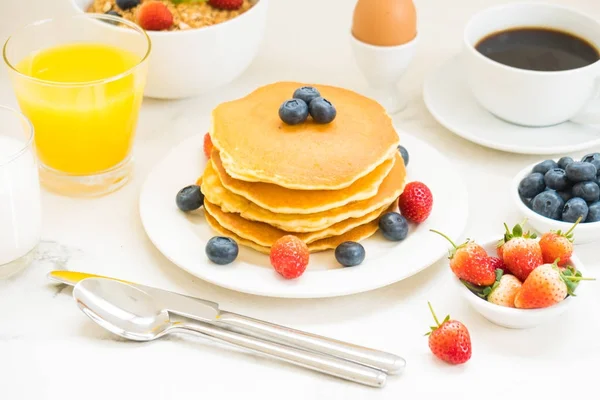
x=518, y=318
x=584, y=232
x=191, y=62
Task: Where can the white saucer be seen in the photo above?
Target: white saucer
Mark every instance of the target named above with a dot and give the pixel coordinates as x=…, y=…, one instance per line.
x=449, y=100
x=182, y=237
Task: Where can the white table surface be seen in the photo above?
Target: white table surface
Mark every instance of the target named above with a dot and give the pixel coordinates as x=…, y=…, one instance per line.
x=50, y=350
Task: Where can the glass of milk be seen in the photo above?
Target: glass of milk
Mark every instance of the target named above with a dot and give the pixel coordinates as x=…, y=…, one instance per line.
x=20, y=211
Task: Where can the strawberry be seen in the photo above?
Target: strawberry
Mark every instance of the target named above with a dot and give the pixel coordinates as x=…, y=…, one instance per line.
x=226, y=4
x=547, y=285
x=208, y=146
x=154, y=16
x=416, y=202
x=289, y=256
x=497, y=263
x=470, y=262
x=449, y=341
x=499, y=248
x=503, y=292
x=558, y=246
x=521, y=253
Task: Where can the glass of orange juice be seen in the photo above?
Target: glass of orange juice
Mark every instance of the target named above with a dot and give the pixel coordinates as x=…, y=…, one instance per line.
x=80, y=81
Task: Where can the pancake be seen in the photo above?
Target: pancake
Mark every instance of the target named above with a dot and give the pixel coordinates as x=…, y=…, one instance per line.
x=222, y=231
x=388, y=191
x=288, y=201
x=354, y=235
x=265, y=235
x=256, y=146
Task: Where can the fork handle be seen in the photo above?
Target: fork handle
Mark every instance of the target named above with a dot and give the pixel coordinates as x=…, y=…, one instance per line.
x=390, y=363
x=318, y=362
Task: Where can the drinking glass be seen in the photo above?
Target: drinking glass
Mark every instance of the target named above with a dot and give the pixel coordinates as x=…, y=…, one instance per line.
x=20, y=212
x=80, y=80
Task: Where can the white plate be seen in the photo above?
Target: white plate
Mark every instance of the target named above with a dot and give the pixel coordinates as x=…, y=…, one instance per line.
x=182, y=237
x=449, y=100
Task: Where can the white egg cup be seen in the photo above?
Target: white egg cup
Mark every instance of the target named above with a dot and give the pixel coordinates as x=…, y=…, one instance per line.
x=383, y=66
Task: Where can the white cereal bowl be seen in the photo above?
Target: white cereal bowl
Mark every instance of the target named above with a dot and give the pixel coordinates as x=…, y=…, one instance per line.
x=514, y=318
x=191, y=62
x=584, y=232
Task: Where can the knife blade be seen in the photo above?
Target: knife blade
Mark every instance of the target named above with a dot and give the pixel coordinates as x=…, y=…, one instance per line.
x=186, y=306
x=208, y=311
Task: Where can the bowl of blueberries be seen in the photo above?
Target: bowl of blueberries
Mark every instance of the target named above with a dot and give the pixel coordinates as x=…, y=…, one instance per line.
x=554, y=194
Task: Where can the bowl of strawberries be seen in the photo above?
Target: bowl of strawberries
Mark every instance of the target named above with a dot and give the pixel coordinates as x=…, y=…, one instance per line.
x=519, y=280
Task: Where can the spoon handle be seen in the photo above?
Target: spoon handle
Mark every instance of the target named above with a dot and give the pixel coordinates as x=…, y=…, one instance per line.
x=390, y=363
x=318, y=362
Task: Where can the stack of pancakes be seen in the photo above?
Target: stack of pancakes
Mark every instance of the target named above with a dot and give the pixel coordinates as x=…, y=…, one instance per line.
x=324, y=183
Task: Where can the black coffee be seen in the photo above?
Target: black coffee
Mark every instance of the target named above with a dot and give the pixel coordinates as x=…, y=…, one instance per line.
x=538, y=49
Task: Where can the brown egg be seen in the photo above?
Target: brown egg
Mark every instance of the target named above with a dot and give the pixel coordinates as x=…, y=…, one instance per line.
x=384, y=22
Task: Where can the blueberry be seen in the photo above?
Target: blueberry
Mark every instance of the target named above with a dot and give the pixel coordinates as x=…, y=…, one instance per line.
x=564, y=161
x=350, y=254
x=404, y=154
x=306, y=94
x=127, y=4
x=556, y=179
x=593, y=158
x=222, y=250
x=526, y=201
x=579, y=171
x=545, y=166
x=189, y=198
x=575, y=208
x=293, y=112
x=549, y=204
x=594, y=212
x=589, y=191
x=393, y=226
x=322, y=111
x=532, y=185
x=566, y=195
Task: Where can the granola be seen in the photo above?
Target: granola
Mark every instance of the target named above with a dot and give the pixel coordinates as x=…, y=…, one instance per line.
x=186, y=15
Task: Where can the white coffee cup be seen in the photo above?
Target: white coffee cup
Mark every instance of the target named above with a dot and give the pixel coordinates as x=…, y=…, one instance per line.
x=527, y=97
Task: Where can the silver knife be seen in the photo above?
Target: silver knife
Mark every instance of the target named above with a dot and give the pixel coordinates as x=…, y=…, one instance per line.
x=208, y=311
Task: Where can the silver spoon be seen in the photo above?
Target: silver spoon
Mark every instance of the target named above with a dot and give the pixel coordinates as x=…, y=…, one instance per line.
x=131, y=313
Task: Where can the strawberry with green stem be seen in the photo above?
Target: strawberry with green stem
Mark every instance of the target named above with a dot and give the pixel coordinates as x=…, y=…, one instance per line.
x=548, y=285
x=497, y=263
x=521, y=251
x=449, y=340
x=502, y=292
x=558, y=245
x=470, y=262
x=500, y=244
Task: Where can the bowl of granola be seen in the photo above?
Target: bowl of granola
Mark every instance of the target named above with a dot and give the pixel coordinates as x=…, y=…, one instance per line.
x=197, y=45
